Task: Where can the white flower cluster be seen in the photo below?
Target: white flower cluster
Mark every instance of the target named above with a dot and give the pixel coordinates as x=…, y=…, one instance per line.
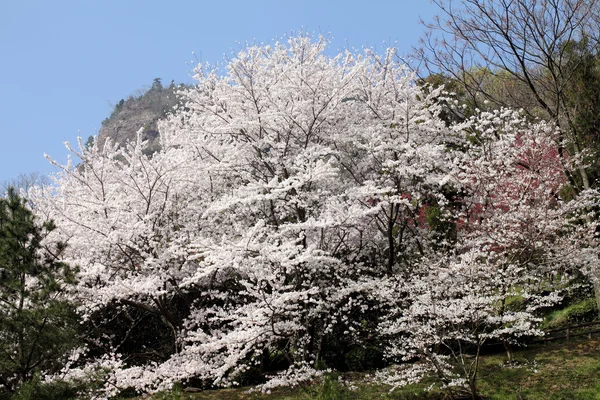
x=300, y=200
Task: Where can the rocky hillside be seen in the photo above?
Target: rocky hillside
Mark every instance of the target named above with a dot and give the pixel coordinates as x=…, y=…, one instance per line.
x=142, y=111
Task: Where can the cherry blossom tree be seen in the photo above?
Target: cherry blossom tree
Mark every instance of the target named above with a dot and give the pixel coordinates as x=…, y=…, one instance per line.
x=288, y=182
x=299, y=206
x=519, y=243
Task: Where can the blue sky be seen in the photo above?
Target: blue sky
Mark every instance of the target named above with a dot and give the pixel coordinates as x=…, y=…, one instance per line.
x=63, y=63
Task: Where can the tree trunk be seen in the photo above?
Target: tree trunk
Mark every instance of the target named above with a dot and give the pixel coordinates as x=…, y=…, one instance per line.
x=596, y=281
x=508, y=350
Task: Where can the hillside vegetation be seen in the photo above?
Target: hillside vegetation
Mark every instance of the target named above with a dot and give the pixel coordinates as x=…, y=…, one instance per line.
x=141, y=111
x=297, y=216
x=305, y=213
x=557, y=371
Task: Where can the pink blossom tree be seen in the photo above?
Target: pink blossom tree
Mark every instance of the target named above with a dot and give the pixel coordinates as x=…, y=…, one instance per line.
x=518, y=244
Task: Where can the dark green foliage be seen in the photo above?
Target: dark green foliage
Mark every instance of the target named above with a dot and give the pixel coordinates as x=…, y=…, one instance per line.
x=115, y=112
x=37, y=390
x=364, y=358
x=137, y=334
x=455, y=90
x=37, y=327
x=157, y=85
x=582, y=57
x=359, y=351
x=89, y=143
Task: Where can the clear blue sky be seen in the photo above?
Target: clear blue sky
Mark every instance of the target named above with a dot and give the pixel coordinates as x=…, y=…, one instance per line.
x=64, y=62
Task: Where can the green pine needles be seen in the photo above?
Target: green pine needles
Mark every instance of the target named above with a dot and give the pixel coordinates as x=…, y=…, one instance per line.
x=37, y=324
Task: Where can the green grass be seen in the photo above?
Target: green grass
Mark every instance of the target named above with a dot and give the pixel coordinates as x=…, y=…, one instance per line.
x=582, y=311
x=555, y=371
x=329, y=389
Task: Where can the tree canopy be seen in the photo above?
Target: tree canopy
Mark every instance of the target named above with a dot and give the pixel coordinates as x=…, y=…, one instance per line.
x=302, y=208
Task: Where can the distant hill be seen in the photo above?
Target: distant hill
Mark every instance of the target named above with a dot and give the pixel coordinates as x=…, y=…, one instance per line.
x=140, y=111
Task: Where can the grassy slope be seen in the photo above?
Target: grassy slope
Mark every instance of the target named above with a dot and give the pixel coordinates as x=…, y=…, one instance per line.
x=542, y=372
x=556, y=371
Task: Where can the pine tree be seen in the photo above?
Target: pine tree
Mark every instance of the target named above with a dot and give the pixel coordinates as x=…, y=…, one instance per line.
x=37, y=325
